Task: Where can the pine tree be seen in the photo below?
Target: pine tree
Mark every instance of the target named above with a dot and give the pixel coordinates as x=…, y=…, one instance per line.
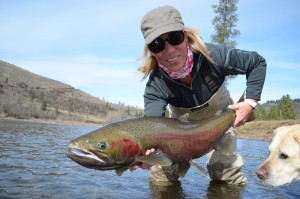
x=261, y=113
x=71, y=106
x=286, y=108
x=273, y=113
x=225, y=22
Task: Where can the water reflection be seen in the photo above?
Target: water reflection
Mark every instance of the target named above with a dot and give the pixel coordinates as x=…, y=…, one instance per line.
x=215, y=190
x=218, y=189
x=171, y=190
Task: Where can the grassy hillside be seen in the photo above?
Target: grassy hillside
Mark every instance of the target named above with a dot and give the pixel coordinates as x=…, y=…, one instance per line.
x=26, y=95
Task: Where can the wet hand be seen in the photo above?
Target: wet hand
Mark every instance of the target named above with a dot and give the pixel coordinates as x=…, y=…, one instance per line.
x=243, y=112
x=142, y=165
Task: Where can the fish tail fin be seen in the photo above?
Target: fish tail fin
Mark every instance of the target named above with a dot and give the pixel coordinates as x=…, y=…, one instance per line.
x=252, y=116
x=242, y=98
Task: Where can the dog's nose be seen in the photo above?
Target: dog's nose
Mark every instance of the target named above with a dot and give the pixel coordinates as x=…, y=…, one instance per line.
x=261, y=173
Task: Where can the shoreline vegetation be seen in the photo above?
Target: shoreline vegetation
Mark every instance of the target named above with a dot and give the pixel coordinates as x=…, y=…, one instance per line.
x=258, y=130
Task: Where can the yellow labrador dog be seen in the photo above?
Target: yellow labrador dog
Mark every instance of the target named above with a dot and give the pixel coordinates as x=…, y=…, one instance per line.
x=283, y=164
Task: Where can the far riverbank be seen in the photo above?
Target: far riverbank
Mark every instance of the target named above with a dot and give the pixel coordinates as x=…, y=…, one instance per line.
x=262, y=130
x=58, y=122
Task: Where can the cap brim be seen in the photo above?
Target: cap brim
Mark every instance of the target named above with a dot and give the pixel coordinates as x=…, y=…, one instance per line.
x=159, y=31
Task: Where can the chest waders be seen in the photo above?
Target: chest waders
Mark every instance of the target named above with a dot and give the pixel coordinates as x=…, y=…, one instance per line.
x=223, y=162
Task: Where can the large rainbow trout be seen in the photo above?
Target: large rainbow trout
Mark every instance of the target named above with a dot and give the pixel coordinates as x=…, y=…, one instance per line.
x=121, y=144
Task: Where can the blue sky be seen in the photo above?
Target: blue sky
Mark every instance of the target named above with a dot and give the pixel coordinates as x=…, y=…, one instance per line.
x=95, y=46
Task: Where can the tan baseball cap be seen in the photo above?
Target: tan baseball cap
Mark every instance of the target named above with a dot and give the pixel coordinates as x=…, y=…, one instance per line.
x=159, y=21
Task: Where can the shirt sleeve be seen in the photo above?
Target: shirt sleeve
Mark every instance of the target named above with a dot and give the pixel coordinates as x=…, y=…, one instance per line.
x=232, y=61
x=155, y=98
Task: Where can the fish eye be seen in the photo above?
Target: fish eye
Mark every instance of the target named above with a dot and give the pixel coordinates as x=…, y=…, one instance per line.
x=101, y=145
x=283, y=156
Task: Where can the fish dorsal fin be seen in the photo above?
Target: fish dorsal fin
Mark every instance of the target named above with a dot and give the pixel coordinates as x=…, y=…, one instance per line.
x=158, y=157
x=199, y=168
x=183, y=167
x=120, y=171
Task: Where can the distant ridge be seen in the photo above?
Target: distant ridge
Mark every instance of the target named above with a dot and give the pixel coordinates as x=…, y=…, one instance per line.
x=26, y=95
x=17, y=75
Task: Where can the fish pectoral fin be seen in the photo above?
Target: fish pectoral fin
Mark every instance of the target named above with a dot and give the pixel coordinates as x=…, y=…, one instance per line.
x=184, y=118
x=183, y=167
x=158, y=157
x=120, y=171
x=201, y=169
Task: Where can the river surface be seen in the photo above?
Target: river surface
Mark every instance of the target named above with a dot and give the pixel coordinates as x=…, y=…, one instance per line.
x=33, y=164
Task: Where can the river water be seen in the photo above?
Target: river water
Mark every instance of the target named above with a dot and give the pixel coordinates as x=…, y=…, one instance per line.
x=33, y=164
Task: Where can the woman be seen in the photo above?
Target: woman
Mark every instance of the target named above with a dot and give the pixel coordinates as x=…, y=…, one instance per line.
x=188, y=75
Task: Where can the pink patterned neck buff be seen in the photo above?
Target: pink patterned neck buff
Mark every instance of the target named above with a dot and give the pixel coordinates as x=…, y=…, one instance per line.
x=186, y=69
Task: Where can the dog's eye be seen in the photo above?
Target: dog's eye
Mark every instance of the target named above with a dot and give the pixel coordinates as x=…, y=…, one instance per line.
x=283, y=156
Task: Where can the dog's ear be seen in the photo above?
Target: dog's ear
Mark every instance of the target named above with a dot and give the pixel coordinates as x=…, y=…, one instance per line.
x=297, y=138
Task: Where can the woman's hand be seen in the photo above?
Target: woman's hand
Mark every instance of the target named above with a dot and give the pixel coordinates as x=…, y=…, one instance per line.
x=142, y=165
x=243, y=112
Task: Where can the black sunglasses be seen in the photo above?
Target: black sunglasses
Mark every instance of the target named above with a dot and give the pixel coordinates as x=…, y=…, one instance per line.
x=174, y=38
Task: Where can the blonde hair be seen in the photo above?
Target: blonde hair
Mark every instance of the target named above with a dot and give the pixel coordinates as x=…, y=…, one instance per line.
x=196, y=43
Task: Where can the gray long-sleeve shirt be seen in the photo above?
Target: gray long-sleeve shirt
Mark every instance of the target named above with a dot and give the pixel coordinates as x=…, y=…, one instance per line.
x=161, y=90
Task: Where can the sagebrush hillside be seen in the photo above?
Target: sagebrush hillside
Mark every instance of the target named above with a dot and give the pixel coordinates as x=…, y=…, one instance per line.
x=26, y=95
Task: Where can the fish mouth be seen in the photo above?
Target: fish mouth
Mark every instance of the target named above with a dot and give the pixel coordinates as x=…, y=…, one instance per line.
x=99, y=161
x=88, y=159
x=75, y=153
